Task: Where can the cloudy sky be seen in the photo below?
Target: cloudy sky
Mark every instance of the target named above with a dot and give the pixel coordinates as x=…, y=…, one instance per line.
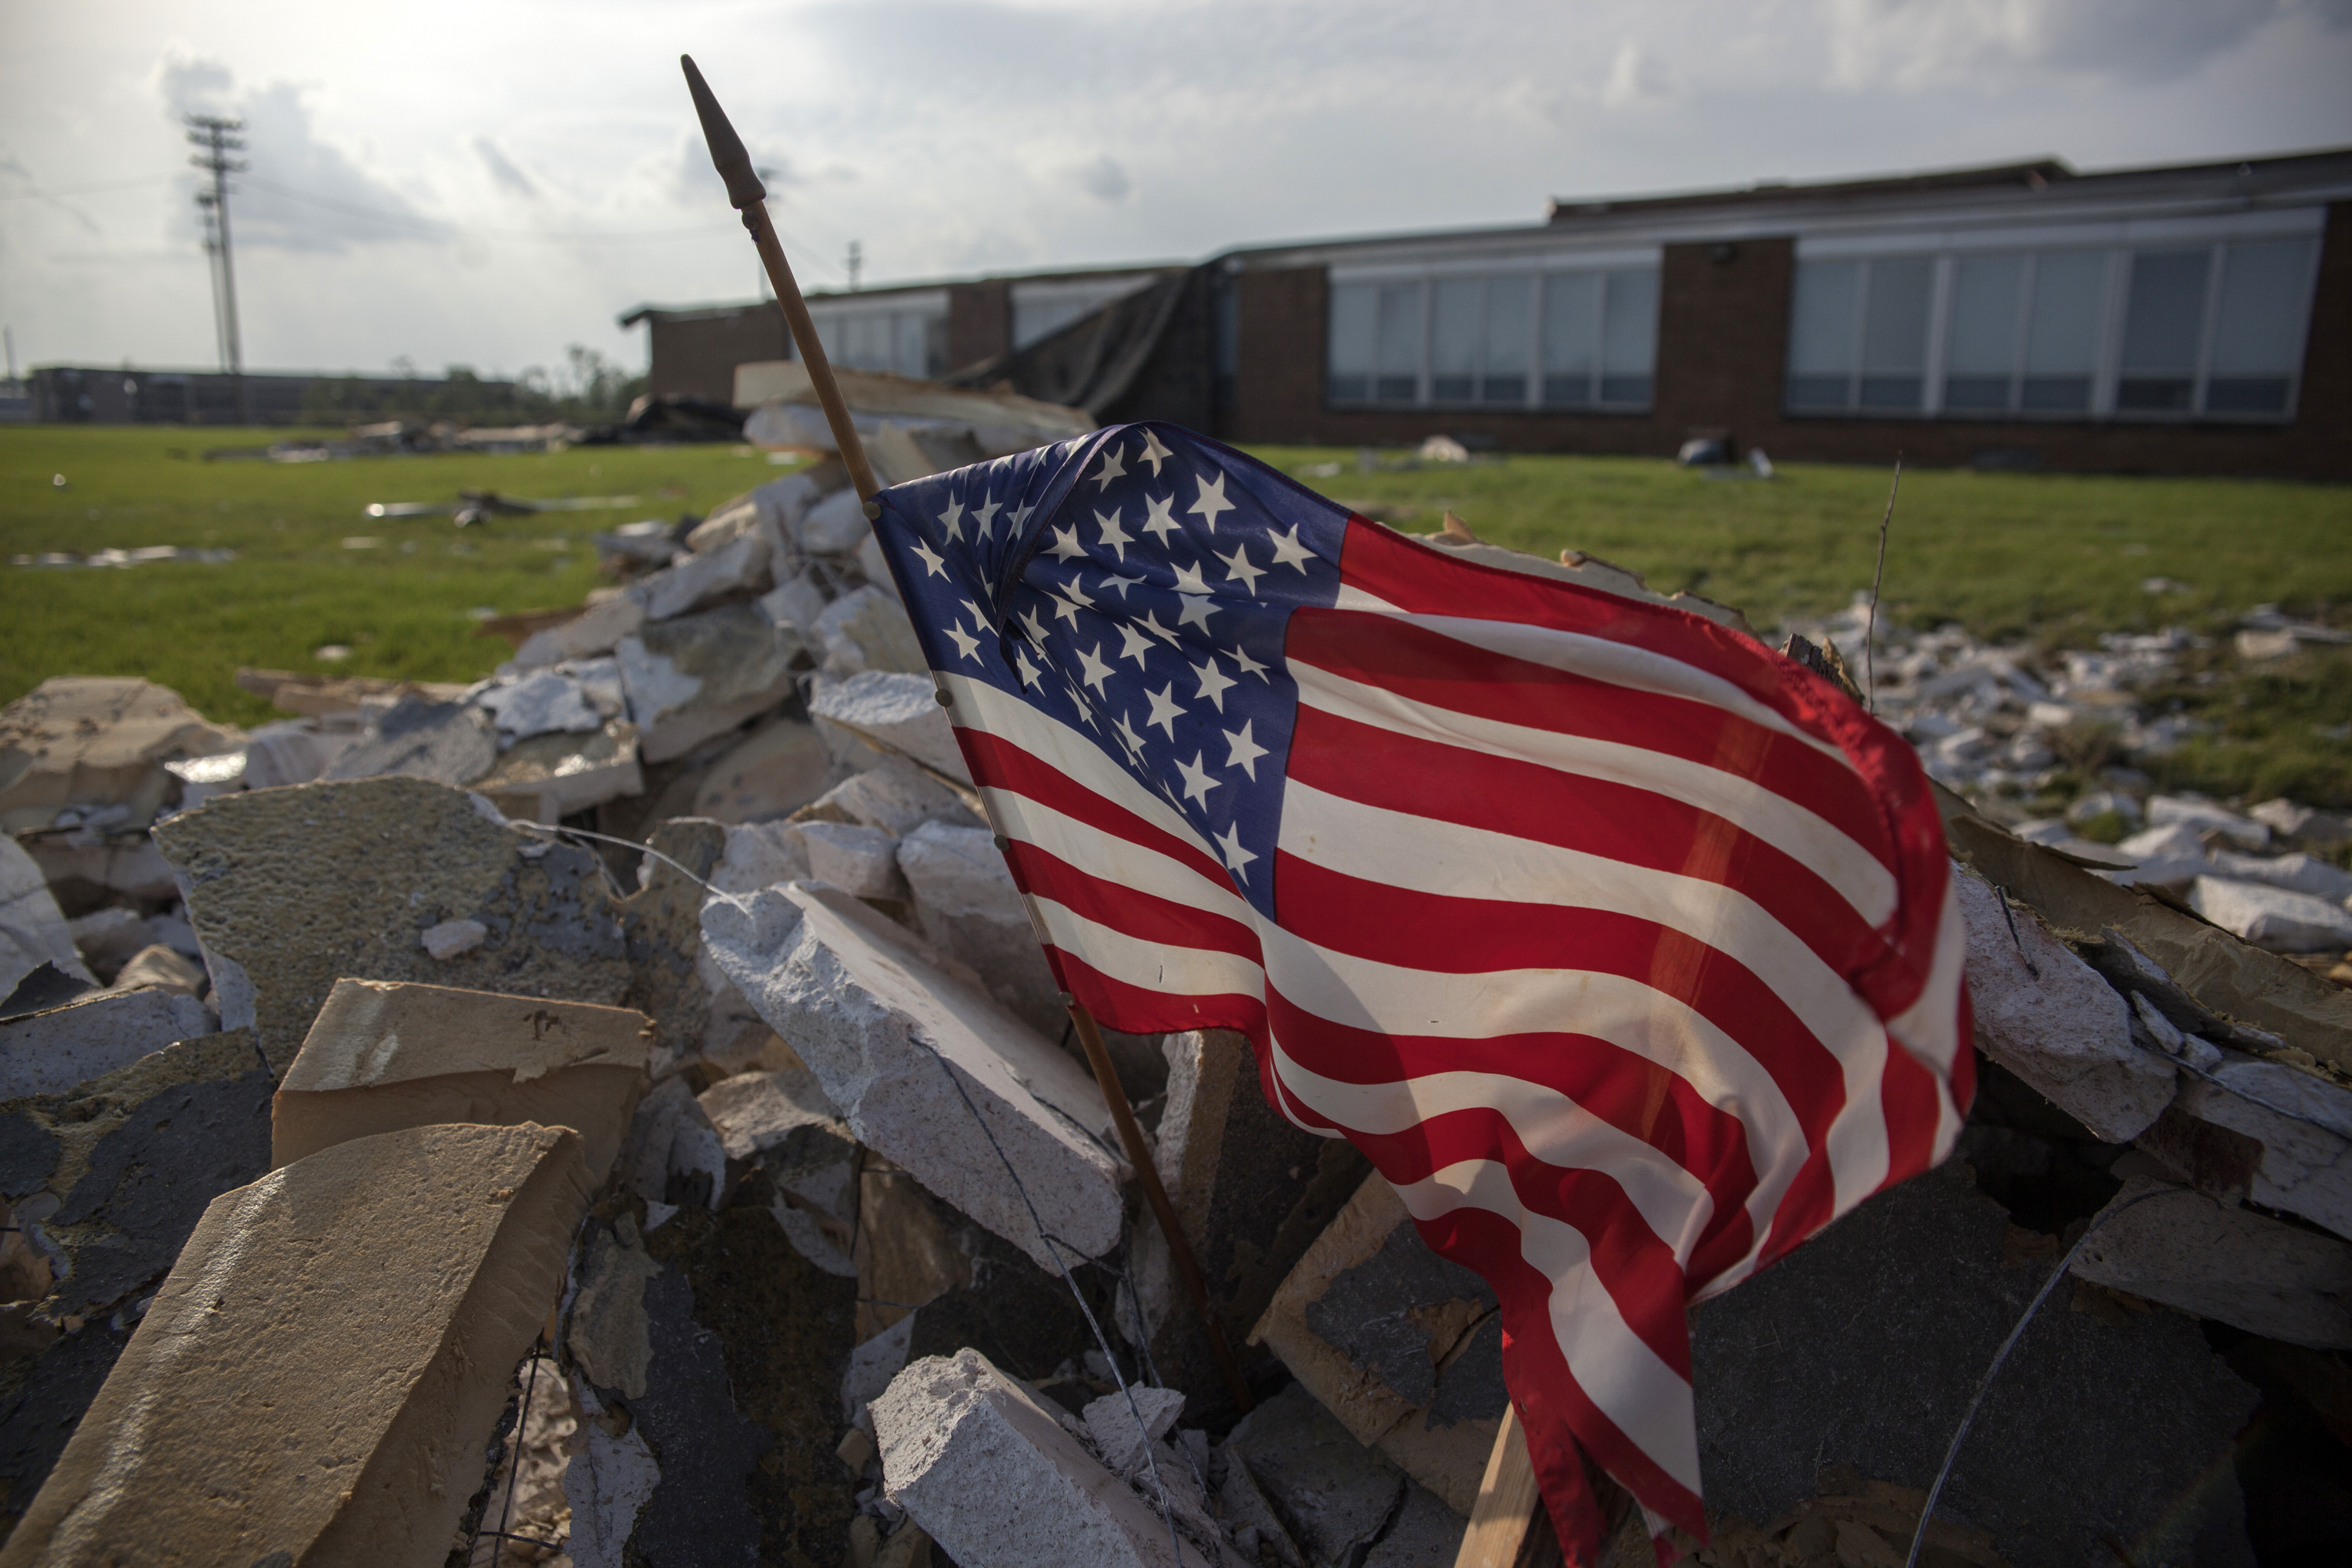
x=485, y=183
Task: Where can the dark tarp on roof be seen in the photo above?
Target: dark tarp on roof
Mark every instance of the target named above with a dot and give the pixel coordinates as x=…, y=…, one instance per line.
x=1123, y=362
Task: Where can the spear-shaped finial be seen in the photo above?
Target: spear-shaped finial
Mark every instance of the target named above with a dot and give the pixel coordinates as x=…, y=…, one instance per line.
x=727, y=153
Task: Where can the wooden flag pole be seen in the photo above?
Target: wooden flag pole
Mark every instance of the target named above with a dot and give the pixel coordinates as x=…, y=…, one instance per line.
x=750, y=197
x=1508, y=1525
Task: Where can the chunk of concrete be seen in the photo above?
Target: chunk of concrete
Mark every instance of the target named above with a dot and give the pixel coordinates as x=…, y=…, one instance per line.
x=863, y=862
x=1861, y=1349
x=293, y=751
x=607, y=1332
x=552, y=699
x=1333, y=1495
x=2294, y=873
x=32, y=930
x=2204, y=817
x=773, y=771
x=781, y=1122
x=661, y=928
x=1111, y=1424
x=996, y=1478
x=452, y=937
x=549, y=777
x=966, y=903
x=385, y=1056
x=1251, y=1190
x=797, y=602
x=1403, y=1347
x=2268, y=1132
x=78, y=740
x=1424, y=1533
x=911, y=1056
x=2173, y=842
x=2048, y=1017
x=700, y=675
x=609, y=1481
x=761, y=854
x=2211, y=1260
x=157, y=967
x=895, y=713
x=50, y=1052
x=740, y=563
x=94, y=866
x=292, y=890
x=596, y=630
x=2271, y=917
x=106, y=938
x=833, y=526
x=446, y=742
x=895, y=794
x=291, y=1390
x=866, y=630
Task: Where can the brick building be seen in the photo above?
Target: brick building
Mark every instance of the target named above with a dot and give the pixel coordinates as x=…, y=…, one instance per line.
x=2183, y=320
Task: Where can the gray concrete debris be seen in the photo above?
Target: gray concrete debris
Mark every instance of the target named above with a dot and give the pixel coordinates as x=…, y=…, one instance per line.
x=834, y=526
x=661, y=930
x=700, y=675
x=773, y=771
x=157, y=967
x=50, y=1052
x=550, y=777
x=895, y=795
x=445, y=743
x=781, y=1122
x=1424, y=1533
x=2185, y=1250
x=294, y=751
x=1863, y=1346
x=1111, y=1425
x=864, y=1003
x=874, y=1363
x=607, y=1333
x=573, y=699
x=892, y=712
x=2049, y=1018
x=102, y=866
x=994, y=1477
x=2295, y=872
x=1334, y=1496
x=290, y=890
x=2285, y=1140
x=2284, y=816
x=740, y=563
x=2204, y=817
x=33, y=931
x=452, y=937
x=598, y=629
x=2271, y=917
x=967, y=905
x=862, y=862
x=797, y=602
x=106, y=938
x=866, y=630
x=761, y=854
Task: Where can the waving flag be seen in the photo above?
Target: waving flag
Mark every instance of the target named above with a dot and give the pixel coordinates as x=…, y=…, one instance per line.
x=1621, y=944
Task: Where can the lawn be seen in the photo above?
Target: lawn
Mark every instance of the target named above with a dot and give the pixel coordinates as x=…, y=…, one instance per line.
x=2058, y=557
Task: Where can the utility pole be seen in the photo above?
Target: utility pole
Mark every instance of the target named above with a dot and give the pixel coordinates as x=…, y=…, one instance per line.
x=857, y=261
x=217, y=137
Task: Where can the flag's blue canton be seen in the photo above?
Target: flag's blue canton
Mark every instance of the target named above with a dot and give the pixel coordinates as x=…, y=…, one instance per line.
x=1135, y=585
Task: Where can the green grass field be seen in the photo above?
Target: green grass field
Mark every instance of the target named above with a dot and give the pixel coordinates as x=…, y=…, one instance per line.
x=2059, y=558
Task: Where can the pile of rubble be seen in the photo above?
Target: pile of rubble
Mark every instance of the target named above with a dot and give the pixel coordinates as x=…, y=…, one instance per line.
x=394, y=1176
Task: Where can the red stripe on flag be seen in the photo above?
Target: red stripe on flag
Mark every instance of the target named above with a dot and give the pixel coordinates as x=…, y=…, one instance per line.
x=998, y=763
x=1142, y=916
x=1136, y=1009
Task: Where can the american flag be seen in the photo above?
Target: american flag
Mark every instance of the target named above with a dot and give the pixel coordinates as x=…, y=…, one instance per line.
x=1623, y=946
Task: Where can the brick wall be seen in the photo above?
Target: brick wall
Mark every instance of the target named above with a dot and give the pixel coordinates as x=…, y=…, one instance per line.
x=980, y=322
x=697, y=354
x=1722, y=353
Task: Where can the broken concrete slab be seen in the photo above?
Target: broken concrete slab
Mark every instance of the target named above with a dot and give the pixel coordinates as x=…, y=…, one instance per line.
x=97, y=740
x=2186, y=1250
x=2266, y=1132
x=553, y=699
x=994, y=1477
x=895, y=795
x=2204, y=817
x=85, y=868
x=449, y=743
x=911, y=1056
x=1424, y=1533
x=1333, y=1496
x=894, y=713
x=661, y=929
x=292, y=890
x=2271, y=917
x=2048, y=1017
x=781, y=1122
x=106, y=938
x=771, y=772
x=1111, y=1423
x=761, y=854
x=1400, y=1345
x=967, y=905
x=452, y=937
x=867, y=628
x=861, y=862
x=293, y=751
x=1862, y=1349
x=1251, y=1191
x=598, y=629
x=288, y=1313
x=607, y=1333
x=739, y=564
x=700, y=675
x=833, y=526
x=97, y=1033
x=157, y=967
x=2294, y=873
x=797, y=602
x=32, y=930
x=385, y=1055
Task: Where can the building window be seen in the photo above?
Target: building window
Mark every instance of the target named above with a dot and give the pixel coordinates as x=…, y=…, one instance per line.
x=1514, y=340
x=907, y=343
x=2203, y=328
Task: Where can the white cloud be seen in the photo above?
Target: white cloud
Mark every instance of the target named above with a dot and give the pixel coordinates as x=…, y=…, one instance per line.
x=1105, y=179
x=1989, y=43
x=502, y=169
x=1635, y=78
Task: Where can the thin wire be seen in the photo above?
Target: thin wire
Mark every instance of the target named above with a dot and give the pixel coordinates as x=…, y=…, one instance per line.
x=522, y=1431
x=1919, y=1536
x=1870, y=634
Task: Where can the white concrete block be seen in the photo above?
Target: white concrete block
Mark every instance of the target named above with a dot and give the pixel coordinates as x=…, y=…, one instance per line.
x=967, y=905
x=894, y=712
x=894, y=795
x=741, y=562
x=2164, y=811
x=452, y=937
x=2169, y=842
x=1110, y=1424
x=995, y=1477
x=797, y=603
x=834, y=525
x=2295, y=873
x=866, y=629
x=2048, y=1017
x=2305, y=1128
x=2214, y=1260
x=292, y=752
x=548, y=700
x=50, y=1052
x=597, y=630
x=857, y=859
x=32, y=930
x=2271, y=917
x=899, y=1046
